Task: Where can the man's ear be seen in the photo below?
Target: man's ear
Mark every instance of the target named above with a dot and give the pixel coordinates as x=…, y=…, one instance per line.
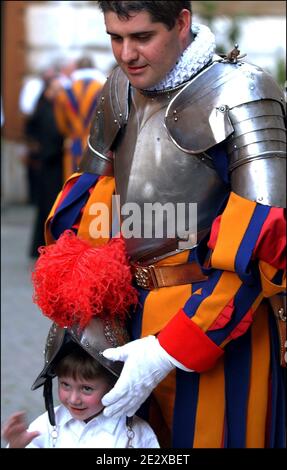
x=184, y=23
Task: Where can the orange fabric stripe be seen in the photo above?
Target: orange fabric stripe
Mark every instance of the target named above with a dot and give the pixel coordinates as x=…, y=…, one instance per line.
x=48, y=236
x=77, y=89
x=68, y=120
x=165, y=395
x=67, y=164
x=89, y=97
x=233, y=225
x=89, y=228
x=209, y=425
x=267, y=272
x=161, y=305
x=258, y=391
x=213, y=305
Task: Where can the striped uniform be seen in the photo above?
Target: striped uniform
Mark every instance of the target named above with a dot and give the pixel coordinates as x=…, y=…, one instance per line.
x=74, y=108
x=220, y=328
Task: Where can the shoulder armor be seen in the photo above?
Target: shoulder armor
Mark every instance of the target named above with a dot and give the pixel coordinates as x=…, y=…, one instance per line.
x=204, y=104
x=110, y=116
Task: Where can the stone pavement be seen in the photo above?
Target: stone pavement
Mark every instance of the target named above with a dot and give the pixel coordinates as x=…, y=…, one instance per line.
x=23, y=327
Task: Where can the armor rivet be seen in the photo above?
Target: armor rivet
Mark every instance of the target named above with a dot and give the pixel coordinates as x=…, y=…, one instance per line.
x=121, y=115
x=175, y=111
x=252, y=87
x=99, y=112
x=176, y=118
x=235, y=146
x=47, y=361
x=281, y=313
x=103, y=98
x=87, y=344
x=115, y=121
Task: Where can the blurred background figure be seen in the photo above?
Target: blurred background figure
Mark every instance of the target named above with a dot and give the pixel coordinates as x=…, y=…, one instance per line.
x=75, y=104
x=46, y=145
x=30, y=93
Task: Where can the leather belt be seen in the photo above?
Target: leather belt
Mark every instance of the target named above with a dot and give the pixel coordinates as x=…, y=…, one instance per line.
x=153, y=277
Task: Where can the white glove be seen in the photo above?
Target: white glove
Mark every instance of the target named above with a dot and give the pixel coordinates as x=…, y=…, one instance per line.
x=146, y=364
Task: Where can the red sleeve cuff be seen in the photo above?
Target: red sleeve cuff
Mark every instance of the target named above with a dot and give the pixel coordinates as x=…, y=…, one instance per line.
x=188, y=344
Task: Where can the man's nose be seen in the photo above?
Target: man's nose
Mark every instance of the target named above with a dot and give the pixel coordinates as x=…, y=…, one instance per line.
x=129, y=51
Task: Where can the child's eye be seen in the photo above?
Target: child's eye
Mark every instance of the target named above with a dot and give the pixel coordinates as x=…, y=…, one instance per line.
x=87, y=389
x=65, y=385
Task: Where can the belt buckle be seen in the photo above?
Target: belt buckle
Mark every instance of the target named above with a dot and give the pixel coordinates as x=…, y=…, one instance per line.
x=145, y=277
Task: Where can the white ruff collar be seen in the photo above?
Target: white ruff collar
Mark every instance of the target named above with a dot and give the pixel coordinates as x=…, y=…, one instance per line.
x=192, y=60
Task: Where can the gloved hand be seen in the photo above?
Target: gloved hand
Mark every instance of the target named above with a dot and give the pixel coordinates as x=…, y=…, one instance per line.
x=146, y=364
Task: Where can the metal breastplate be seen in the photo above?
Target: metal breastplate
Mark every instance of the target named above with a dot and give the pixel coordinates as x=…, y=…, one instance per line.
x=150, y=169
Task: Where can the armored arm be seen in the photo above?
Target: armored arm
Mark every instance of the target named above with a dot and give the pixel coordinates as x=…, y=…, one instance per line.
x=241, y=105
x=257, y=152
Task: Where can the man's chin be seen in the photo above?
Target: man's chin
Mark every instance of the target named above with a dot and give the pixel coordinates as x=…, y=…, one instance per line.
x=140, y=83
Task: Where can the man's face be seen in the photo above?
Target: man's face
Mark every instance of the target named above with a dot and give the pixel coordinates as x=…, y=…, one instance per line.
x=144, y=50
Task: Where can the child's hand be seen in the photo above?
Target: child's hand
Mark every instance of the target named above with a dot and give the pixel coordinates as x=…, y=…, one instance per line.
x=15, y=431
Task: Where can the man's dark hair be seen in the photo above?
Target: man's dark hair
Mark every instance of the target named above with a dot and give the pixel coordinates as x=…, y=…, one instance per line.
x=164, y=11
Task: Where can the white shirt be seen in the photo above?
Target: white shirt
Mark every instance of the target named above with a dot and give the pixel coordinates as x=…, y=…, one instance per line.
x=100, y=432
x=30, y=93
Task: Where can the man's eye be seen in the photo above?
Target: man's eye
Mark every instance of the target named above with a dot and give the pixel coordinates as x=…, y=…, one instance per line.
x=143, y=38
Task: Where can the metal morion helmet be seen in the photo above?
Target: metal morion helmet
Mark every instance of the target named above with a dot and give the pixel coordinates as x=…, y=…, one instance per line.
x=97, y=336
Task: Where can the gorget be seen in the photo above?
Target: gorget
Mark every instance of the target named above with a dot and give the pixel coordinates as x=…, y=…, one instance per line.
x=168, y=197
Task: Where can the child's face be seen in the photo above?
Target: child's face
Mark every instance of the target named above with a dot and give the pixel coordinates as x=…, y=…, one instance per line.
x=82, y=397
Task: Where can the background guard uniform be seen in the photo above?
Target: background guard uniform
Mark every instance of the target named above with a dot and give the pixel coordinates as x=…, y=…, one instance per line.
x=227, y=123
x=74, y=109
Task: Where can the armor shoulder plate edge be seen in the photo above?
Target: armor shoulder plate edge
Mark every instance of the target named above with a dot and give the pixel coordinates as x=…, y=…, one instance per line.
x=109, y=117
x=198, y=116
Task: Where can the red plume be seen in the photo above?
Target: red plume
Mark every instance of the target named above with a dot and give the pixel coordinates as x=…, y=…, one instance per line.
x=74, y=281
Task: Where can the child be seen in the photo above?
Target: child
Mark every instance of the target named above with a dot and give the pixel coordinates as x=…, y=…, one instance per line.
x=82, y=382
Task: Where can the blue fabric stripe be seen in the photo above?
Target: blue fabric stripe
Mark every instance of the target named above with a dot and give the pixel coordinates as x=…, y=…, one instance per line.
x=91, y=110
x=220, y=161
x=76, y=148
x=187, y=386
x=193, y=257
x=68, y=211
x=243, y=301
x=137, y=316
x=195, y=300
x=72, y=99
x=248, y=243
x=237, y=373
x=278, y=392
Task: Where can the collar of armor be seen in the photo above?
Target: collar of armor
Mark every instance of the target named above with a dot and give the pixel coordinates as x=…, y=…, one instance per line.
x=193, y=59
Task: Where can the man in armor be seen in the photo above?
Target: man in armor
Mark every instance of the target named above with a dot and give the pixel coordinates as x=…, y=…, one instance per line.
x=179, y=125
